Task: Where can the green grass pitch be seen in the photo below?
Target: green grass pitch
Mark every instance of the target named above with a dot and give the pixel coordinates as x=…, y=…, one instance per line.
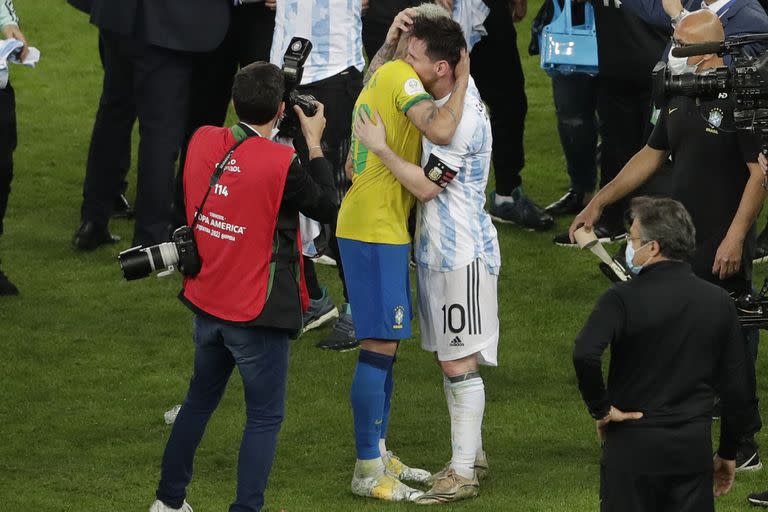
x=89, y=363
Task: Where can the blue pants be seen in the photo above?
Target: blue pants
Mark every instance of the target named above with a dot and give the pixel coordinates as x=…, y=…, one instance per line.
x=575, y=98
x=261, y=356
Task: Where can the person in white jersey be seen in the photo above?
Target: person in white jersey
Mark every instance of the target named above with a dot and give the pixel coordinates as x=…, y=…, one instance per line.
x=333, y=75
x=457, y=255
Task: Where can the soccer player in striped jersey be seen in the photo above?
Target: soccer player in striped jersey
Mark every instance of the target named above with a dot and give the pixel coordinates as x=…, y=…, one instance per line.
x=456, y=250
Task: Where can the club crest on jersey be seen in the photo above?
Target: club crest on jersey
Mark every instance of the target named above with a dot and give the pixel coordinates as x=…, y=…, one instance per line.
x=399, y=316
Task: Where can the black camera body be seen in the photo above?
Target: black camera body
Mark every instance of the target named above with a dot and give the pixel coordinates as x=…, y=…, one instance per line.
x=293, y=69
x=180, y=253
x=745, y=82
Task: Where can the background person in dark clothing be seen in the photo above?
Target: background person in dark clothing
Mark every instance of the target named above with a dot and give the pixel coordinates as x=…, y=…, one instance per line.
x=714, y=174
x=249, y=295
x=674, y=340
x=248, y=39
x=9, y=25
x=146, y=50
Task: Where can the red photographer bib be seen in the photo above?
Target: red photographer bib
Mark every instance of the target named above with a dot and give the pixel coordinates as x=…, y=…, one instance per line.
x=235, y=233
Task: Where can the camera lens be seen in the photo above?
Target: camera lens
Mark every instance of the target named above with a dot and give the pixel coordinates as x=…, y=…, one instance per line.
x=139, y=262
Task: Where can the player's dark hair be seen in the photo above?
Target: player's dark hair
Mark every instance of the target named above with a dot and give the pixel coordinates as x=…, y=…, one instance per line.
x=257, y=92
x=443, y=37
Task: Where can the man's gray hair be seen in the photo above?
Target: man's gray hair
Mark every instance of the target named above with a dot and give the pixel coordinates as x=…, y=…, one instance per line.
x=431, y=11
x=667, y=222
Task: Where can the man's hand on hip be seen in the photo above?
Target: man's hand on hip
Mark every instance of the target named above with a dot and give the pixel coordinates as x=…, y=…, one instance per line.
x=614, y=416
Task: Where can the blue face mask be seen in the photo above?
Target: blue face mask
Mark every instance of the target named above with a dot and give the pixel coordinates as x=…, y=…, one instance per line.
x=629, y=256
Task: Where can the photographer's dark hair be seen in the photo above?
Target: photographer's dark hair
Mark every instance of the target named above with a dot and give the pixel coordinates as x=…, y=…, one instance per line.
x=257, y=92
x=666, y=221
x=443, y=37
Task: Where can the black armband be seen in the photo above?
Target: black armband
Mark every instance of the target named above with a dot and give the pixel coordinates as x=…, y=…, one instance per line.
x=438, y=172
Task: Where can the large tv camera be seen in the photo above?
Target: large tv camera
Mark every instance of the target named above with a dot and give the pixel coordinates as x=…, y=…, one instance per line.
x=293, y=68
x=745, y=81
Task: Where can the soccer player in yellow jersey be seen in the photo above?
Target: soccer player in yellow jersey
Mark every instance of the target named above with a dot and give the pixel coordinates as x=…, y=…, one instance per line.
x=374, y=243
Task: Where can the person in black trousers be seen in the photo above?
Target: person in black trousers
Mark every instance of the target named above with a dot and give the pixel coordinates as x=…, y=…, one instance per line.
x=675, y=340
x=10, y=29
x=248, y=39
x=147, y=48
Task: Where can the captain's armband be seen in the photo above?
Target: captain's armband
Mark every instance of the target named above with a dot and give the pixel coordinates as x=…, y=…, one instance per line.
x=438, y=172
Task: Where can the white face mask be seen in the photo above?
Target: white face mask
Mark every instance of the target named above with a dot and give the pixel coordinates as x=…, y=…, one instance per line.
x=680, y=66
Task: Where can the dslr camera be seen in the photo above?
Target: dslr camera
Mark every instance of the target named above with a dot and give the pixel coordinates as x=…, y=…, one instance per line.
x=293, y=68
x=745, y=81
x=180, y=253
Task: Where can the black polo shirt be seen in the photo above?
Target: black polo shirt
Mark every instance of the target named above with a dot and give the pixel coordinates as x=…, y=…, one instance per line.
x=709, y=173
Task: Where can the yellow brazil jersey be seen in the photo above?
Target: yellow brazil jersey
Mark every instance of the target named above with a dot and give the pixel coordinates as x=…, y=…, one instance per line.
x=376, y=207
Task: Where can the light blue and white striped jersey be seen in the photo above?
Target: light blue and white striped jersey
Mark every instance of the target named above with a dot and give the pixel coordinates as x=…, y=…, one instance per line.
x=470, y=15
x=333, y=26
x=453, y=229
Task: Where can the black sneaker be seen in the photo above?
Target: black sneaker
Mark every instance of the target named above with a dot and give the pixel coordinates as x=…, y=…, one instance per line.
x=320, y=312
x=7, y=288
x=758, y=499
x=747, y=458
x=570, y=204
x=122, y=208
x=342, y=338
x=521, y=211
x=761, y=247
x=604, y=235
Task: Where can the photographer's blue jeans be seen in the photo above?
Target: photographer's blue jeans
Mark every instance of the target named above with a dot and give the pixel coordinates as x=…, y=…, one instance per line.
x=261, y=356
x=575, y=97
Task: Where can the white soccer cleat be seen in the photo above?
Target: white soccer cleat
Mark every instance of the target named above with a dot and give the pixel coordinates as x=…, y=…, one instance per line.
x=383, y=486
x=394, y=465
x=159, y=506
x=450, y=487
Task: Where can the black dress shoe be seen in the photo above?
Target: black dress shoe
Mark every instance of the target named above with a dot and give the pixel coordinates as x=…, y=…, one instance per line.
x=122, y=208
x=571, y=203
x=89, y=236
x=521, y=211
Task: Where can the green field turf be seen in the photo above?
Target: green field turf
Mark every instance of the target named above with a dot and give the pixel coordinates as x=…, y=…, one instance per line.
x=89, y=362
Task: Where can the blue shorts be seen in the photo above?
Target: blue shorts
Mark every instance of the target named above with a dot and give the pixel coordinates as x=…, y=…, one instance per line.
x=379, y=288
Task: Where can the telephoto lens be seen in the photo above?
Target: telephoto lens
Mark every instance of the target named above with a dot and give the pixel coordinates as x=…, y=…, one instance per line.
x=139, y=262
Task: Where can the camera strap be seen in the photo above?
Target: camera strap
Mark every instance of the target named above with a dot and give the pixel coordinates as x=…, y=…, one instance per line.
x=242, y=135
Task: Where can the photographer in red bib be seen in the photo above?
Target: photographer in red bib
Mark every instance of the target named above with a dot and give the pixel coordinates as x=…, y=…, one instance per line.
x=249, y=295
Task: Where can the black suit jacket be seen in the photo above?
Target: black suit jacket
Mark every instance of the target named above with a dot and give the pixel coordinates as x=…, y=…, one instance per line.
x=185, y=25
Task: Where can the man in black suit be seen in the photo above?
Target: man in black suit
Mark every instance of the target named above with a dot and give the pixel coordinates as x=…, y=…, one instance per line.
x=147, y=52
x=674, y=339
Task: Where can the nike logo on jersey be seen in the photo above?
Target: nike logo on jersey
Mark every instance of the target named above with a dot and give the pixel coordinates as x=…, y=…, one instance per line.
x=672, y=110
x=456, y=342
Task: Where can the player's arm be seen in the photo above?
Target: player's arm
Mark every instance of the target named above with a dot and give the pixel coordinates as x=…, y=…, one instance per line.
x=401, y=24
x=438, y=124
x=424, y=183
x=637, y=171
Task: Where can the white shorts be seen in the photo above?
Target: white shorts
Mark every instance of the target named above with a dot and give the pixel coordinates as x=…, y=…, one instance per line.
x=458, y=312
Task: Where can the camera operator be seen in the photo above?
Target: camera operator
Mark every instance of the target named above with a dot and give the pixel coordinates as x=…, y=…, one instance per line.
x=249, y=295
x=715, y=176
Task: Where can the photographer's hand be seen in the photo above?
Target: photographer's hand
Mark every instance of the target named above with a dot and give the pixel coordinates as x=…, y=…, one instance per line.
x=12, y=31
x=371, y=135
x=728, y=258
x=763, y=161
x=312, y=128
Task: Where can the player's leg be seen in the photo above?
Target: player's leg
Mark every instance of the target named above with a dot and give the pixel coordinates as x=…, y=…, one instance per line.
x=459, y=323
x=377, y=281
